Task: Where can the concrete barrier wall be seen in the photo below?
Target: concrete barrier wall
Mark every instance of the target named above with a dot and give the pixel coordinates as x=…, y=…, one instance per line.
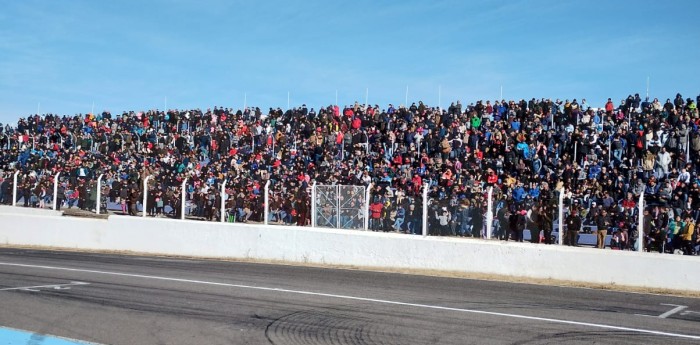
x=29, y=210
x=356, y=248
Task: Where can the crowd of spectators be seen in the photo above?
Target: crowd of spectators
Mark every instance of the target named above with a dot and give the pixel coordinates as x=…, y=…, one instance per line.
x=602, y=159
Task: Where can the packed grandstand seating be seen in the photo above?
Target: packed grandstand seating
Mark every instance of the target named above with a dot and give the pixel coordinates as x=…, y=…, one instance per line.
x=528, y=151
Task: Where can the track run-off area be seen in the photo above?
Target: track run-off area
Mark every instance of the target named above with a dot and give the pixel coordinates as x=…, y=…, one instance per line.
x=66, y=297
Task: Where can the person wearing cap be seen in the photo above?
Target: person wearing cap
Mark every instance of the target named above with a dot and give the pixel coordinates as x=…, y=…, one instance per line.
x=573, y=227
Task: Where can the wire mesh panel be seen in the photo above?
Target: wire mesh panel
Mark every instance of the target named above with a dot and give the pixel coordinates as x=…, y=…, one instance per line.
x=327, y=206
x=351, y=202
x=340, y=207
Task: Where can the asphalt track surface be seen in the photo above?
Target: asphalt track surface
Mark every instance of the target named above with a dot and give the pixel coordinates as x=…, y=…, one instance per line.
x=115, y=299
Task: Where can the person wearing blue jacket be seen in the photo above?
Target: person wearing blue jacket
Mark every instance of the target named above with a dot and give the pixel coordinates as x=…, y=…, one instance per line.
x=400, y=217
x=518, y=193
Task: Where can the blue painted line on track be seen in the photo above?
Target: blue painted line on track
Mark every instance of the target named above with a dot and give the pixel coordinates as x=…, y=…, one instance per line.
x=10, y=336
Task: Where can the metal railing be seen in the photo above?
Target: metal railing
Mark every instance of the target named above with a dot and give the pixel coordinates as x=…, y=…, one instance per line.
x=361, y=208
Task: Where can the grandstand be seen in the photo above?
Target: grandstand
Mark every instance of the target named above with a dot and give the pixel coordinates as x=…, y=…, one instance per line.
x=503, y=170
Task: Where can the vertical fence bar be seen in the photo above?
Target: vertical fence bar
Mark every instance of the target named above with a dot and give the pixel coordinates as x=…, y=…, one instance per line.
x=367, y=141
x=183, y=194
x=313, y=205
x=55, y=190
x=99, y=194
x=267, y=202
x=337, y=207
x=368, y=195
x=640, y=225
x=14, y=189
x=425, y=210
x=687, y=145
x=561, y=216
x=552, y=118
x=222, y=210
x=489, y=213
x=145, y=196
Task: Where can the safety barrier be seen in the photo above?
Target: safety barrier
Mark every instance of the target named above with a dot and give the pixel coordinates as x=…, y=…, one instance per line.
x=351, y=248
x=358, y=214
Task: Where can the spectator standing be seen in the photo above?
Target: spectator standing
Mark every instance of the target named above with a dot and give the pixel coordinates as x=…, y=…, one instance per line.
x=573, y=227
x=545, y=223
x=520, y=224
x=603, y=223
x=443, y=217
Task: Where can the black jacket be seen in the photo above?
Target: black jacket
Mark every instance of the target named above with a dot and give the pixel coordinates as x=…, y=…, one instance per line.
x=573, y=222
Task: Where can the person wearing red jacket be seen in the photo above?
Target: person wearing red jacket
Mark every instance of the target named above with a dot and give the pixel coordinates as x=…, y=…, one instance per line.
x=375, y=210
x=629, y=204
x=609, y=107
x=339, y=137
x=356, y=123
x=417, y=183
x=491, y=178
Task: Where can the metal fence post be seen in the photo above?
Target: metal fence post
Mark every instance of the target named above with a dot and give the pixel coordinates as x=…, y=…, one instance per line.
x=266, y=213
x=561, y=216
x=337, y=207
x=425, y=210
x=55, y=190
x=145, y=195
x=640, y=225
x=99, y=194
x=489, y=213
x=222, y=212
x=552, y=118
x=183, y=194
x=368, y=195
x=367, y=142
x=313, y=205
x=14, y=189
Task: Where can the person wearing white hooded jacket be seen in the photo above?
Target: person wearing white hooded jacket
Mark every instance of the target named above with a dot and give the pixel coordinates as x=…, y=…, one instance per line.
x=663, y=159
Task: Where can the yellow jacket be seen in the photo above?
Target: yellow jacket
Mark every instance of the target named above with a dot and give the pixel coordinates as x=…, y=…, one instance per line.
x=687, y=235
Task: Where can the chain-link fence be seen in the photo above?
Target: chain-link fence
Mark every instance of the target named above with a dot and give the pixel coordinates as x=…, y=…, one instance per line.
x=340, y=207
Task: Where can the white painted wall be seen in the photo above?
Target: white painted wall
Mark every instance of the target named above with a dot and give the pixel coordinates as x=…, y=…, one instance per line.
x=4, y=209
x=357, y=248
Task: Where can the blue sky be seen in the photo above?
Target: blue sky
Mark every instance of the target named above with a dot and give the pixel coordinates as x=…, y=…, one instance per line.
x=131, y=55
